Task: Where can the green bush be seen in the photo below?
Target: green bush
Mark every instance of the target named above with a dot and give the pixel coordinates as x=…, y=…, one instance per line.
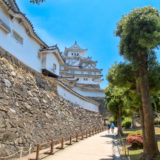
x=106, y=118
x=126, y=123
x=157, y=121
x=112, y=119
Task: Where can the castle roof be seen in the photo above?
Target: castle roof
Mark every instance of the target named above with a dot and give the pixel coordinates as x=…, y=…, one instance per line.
x=12, y=4
x=14, y=11
x=90, y=89
x=77, y=68
x=75, y=48
x=54, y=50
x=81, y=75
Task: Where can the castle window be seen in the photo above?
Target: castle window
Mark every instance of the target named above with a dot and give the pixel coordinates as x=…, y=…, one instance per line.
x=17, y=37
x=4, y=27
x=54, y=67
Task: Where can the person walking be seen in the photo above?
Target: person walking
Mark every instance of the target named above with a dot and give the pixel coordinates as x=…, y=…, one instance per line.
x=112, y=127
x=108, y=126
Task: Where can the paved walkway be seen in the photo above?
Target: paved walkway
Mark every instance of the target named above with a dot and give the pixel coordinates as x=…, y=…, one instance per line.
x=97, y=147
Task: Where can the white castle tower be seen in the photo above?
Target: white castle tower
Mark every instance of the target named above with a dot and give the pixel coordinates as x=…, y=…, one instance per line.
x=80, y=72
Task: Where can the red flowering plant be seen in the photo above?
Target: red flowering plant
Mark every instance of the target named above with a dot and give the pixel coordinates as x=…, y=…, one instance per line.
x=136, y=140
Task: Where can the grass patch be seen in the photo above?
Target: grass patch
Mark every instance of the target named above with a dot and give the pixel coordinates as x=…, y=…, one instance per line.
x=136, y=154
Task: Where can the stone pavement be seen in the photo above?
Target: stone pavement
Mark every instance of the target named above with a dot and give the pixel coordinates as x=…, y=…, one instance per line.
x=97, y=147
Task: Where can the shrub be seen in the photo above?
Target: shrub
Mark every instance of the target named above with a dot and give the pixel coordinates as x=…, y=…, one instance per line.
x=157, y=121
x=135, y=141
x=127, y=123
x=111, y=119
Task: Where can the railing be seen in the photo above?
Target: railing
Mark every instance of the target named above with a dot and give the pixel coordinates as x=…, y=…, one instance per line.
x=124, y=148
x=62, y=141
x=20, y=152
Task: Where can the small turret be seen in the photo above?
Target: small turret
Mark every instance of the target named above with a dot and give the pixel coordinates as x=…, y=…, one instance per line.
x=74, y=50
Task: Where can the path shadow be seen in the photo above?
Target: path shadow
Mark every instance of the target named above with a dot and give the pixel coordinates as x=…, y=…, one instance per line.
x=106, y=159
x=110, y=158
x=108, y=136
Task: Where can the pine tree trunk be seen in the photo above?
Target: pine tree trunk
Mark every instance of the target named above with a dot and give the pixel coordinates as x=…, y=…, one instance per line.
x=141, y=114
x=133, y=122
x=151, y=148
x=119, y=122
x=143, y=128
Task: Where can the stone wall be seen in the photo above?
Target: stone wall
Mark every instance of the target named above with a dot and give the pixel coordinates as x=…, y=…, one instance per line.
x=31, y=111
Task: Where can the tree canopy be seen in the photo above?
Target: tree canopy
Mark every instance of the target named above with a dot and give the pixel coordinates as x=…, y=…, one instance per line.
x=139, y=32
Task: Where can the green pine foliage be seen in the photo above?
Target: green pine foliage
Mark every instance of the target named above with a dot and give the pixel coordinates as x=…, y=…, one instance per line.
x=139, y=32
x=37, y=1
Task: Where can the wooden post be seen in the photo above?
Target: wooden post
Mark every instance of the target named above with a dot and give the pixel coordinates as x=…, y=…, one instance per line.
x=37, y=152
x=30, y=148
x=70, y=139
x=21, y=152
x=76, y=137
x=52, y=147
x=82, y=135
x=62, y=143
x=86, y=134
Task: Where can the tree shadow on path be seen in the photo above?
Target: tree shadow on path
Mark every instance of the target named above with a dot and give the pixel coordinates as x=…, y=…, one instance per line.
x=111, y=158
x=108, y=136
x=106, y=159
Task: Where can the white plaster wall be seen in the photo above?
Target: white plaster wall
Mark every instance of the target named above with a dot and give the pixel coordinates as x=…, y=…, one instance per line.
x=89, y=81
x=73, y=62
x=4, y=17
x=89, y=94
x=26, y=52
x=76, y=100
x=50, y=60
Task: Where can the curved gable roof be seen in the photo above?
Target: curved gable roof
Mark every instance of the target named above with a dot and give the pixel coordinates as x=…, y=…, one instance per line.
x=12, y=4
x=15, y=12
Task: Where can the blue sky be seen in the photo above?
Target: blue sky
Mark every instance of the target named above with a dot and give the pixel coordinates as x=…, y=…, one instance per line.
x=90, y=22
